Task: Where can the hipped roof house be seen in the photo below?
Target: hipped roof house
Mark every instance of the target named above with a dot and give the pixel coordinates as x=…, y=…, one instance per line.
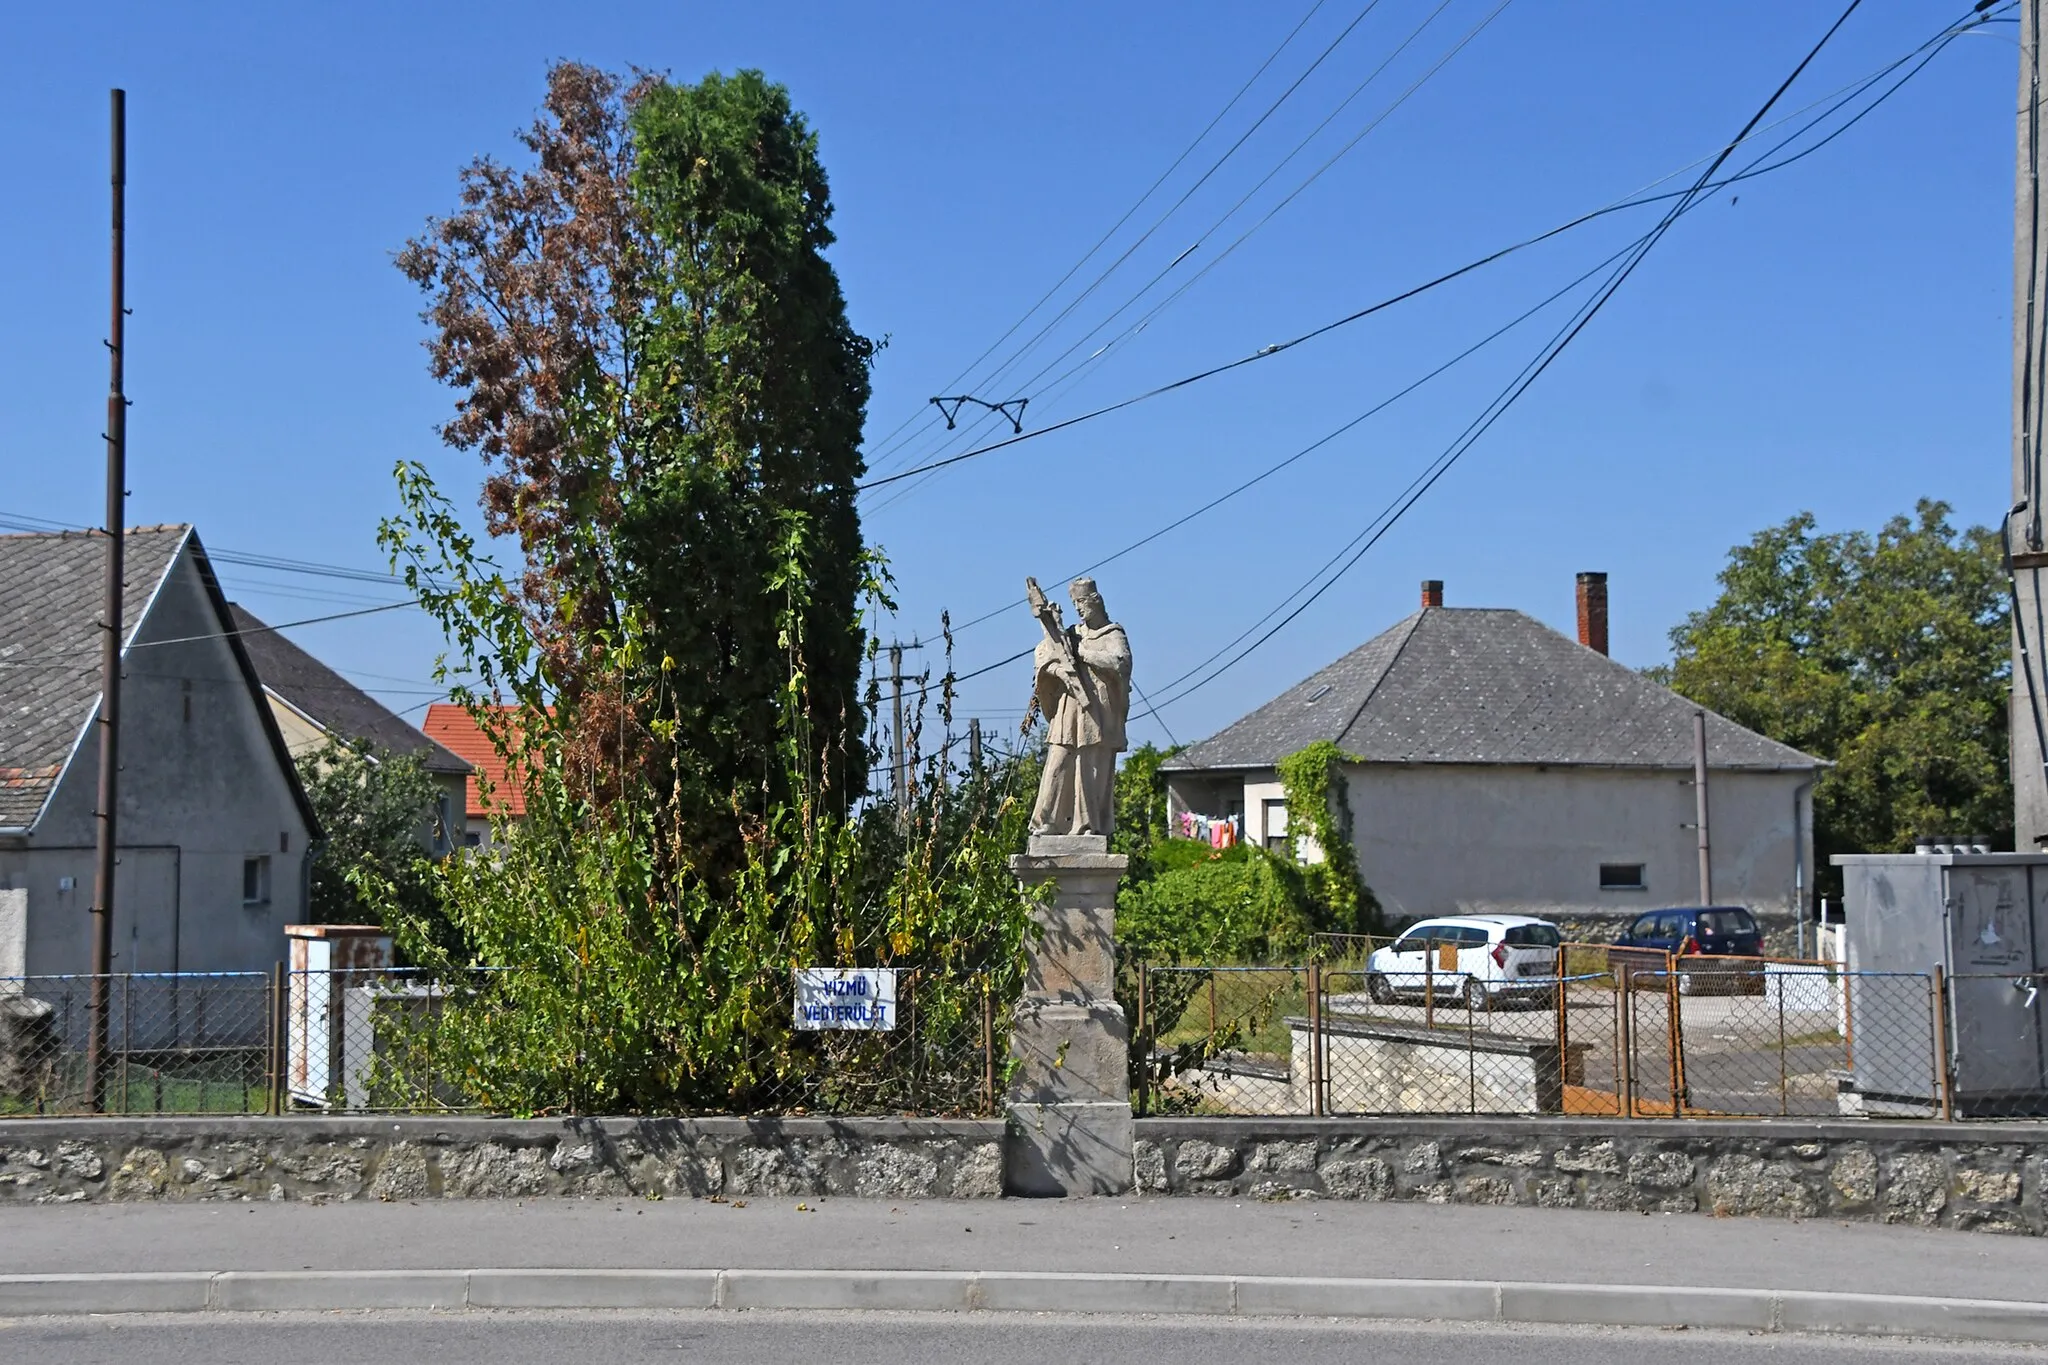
x=1494, y=763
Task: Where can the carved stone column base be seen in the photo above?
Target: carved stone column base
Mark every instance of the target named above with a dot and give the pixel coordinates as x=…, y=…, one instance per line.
x=1070, y=1101
x=1068, y=1149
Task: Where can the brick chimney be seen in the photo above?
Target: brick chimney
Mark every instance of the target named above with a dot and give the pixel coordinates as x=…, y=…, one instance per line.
x=1432, y=592
x=1593, y=611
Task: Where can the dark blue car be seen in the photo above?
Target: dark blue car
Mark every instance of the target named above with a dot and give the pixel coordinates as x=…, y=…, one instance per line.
x=1726, y=935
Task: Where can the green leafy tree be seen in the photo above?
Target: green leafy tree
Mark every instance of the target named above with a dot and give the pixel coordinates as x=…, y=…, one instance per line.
x=654, y=359
x=376, y=810
x=653, y=356
x=1886, y=653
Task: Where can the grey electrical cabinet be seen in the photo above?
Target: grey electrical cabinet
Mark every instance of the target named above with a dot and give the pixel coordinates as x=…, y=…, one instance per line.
x=1983, y=919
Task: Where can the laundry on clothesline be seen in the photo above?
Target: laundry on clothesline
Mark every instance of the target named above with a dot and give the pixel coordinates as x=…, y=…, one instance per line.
x=1217, y=831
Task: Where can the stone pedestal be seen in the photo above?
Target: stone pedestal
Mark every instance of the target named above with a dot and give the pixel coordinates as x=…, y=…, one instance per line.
x=1070, y=1101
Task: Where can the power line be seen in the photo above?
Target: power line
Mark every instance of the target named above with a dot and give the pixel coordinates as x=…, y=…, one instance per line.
x=1272, y=213
x=249, y=630
x=32, y=525
x=1117, y=226
x=1270, y=470
x=1190, y=192
x=1634, y=201
x=1513, y=392
x=1205, y=234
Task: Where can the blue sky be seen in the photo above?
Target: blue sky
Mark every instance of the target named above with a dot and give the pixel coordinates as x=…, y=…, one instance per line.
x=1834, y=337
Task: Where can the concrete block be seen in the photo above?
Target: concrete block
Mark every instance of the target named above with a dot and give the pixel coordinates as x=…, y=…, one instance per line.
x=1027, y=1292
x=151, y=1292
x=1631, y=1305
x=1070, y=1054
x=593, y=1289
x=319, y=1291
x=880, y=1290
x=1068, y=1149
x=1435, y=1300
x=1893, y=1315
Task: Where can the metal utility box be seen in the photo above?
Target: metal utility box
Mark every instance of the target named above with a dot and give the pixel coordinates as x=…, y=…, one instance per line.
x=1983, y=919
x=324, y=1054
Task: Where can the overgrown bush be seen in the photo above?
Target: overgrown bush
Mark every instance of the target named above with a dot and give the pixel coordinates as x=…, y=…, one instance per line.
x=653, y=354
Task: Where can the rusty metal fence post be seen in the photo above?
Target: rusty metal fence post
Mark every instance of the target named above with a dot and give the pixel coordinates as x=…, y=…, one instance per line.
x=1561, y=1007
x=988, y=1043
x=1625, y=1042
x=1144, y=1037
x=280, y=1038
x=1784, y=1067
x=1315, y=1039
x=127, y=1035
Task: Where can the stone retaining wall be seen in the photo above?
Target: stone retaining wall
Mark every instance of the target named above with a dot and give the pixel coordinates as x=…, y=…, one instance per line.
x=1989, y=1177
x=47, y=1161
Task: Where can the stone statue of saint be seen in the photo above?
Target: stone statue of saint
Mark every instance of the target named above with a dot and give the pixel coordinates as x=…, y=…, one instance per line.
x=1081, y=680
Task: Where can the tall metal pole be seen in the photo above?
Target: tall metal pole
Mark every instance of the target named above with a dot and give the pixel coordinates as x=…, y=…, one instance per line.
x=974, y=745
x=897, y=776
x=1699, y=796
x=2024, y=537
x=110, y=631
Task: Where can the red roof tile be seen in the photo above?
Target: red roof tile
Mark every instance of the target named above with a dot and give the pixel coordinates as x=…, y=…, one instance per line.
x=456, y=730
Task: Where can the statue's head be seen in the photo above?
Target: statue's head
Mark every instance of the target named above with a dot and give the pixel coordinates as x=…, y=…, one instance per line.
x=1088, y=602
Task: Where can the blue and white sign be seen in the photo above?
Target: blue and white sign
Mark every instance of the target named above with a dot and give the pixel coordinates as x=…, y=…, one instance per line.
x=846, y=997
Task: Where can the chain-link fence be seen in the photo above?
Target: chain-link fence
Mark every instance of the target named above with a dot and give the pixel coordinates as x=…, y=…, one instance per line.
x=1221, y=1040
x=175, y=1043
x=1585, y=1030
x=396, y=1041
x=1596, y=1030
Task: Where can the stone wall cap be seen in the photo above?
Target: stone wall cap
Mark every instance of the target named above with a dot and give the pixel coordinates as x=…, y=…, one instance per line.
x=446, y=1128
x=1576, y=1128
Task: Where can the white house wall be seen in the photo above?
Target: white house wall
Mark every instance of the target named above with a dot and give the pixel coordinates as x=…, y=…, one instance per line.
x=201, y=791
x=1437, y=839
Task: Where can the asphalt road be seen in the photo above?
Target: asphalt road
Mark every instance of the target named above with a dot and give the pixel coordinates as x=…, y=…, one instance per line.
x=924, y=1339
x=1182, y=1235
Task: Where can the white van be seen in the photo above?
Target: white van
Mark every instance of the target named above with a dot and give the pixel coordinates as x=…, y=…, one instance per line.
x=1479, y=958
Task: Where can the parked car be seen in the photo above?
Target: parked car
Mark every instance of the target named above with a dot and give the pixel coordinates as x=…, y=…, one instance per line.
x=1478, y=958
x=1726, y=936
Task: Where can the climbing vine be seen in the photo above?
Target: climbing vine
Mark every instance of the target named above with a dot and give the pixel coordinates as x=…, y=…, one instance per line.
x=1318, y=798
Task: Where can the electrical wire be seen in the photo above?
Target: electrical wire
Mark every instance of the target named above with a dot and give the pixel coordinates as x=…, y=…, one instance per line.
x=1634, y=201
x=1116, y=227
x=1508, y=396
x=1233, y=210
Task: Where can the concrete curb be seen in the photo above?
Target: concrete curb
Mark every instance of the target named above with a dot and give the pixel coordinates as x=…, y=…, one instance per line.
x=1602, y=1305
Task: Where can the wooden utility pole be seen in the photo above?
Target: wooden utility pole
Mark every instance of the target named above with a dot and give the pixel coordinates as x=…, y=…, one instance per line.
x=110, y=633
x=1699, y=799
x=2024, y=538
x=974, y=745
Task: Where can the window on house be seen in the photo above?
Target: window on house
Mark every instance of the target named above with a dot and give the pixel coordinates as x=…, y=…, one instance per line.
x=1621, y=876
x=473, y=838
x=1275, y=815
x=255, y=880
x=444, y=823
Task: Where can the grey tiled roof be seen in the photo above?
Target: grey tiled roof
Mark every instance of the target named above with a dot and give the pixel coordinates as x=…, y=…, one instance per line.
x=50, y=587
x=332, y=701
x=1476, y=685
